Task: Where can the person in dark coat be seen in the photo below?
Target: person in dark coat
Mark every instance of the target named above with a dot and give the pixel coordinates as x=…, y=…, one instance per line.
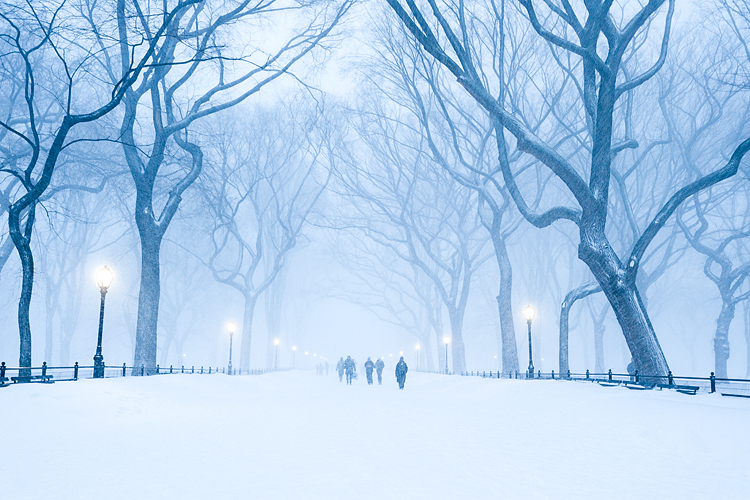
x=369, y=367
x=401, y=370
x=349, y=369
x=340, y=369
x=379, y=365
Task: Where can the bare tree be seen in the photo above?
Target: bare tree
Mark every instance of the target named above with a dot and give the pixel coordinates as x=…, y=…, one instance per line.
x=52, y=37
x=196, y=76
x=600, y=87
x=260, y=192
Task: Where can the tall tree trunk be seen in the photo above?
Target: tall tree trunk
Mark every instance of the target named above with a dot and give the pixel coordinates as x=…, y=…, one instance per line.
x=458, y=351
x=746, y=311
x=22, y=242
x=570, y=299
x=509, y=352
x=599, y=330
x=247, y=331
x=148, y=298
x=624, y=299
x=721, y=339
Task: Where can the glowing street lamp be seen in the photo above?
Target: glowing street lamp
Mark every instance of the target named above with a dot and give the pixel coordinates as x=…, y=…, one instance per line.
x=276, y=354
x=446, y=341
x=231, y=328
x=104, y=279
x=417, y=348
x=528, y=313
x=294, y=354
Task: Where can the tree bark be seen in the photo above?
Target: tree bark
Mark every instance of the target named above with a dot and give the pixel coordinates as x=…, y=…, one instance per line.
x=509, y=352
x=149, y=294
x=721, y=338
x=570, y=299
x=247, y=331
x=458, y=351
x=623, y=297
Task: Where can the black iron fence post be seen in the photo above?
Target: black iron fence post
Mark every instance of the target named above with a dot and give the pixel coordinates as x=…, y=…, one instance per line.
x=201, y=370
x=44, y=369
x=669, y=378
x=183, y=368
x=637, y=377
x=75, y=371
x=143, y=370
x=553, y=374
x=587, y=374
x=610, y=375
x=192, y=370
x=157, y=369
x=170, y=369
x=713, y=382
x=124, y=368
x=568, y=374
x=2, y=370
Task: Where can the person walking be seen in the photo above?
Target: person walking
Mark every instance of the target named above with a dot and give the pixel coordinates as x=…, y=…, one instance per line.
x=369, y=367
x=326, y=368
x=340, y=369
x=349, y=369
x=401, y=370
x=379, y=366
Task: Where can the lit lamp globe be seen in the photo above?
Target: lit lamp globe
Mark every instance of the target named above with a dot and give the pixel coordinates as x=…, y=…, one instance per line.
x=231, y=328
x=294, y=348
x=104, y=277
x=276, y=341
x=528, y=313
x=446, y=340
x=416, y=347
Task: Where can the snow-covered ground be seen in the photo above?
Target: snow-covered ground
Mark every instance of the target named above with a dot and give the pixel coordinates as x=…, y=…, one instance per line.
x=294, y=435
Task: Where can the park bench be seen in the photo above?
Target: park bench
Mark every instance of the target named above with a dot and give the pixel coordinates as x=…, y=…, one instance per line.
x=638, y=386
x=3, y=381
x=608, y=384
x=684, y=389
x=45, y=379
x=735, y=395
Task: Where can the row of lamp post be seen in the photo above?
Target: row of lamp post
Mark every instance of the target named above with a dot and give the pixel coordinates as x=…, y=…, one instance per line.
x=105, y=276
x=528, y=314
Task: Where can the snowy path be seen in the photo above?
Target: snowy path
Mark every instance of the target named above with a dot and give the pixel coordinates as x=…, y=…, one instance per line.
x=299, y=436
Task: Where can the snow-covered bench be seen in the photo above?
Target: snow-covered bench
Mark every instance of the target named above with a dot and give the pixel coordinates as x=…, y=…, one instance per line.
x=45, y=379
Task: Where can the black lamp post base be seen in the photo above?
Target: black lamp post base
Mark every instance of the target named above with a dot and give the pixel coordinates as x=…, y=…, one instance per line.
x=99, y=366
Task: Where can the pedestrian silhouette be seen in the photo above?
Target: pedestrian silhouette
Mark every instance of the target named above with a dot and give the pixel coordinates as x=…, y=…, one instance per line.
x=401, y=370
x=340, y=369
x=349, y=369
x=379, y=365
x=369, y=366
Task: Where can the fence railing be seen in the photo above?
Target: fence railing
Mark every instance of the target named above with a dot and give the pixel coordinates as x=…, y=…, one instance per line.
x=736, y=387
x=49, y=374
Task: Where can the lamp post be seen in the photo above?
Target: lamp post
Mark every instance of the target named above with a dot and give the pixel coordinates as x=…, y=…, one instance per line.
x=103, y=279
x=446, y=341
x=528, y=313
x=275, y=354
x=231, y=328
x=417, y=348
x=294, y=354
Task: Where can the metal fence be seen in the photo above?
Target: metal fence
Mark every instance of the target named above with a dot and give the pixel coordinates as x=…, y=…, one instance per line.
x=736, y=387
x=51, y=374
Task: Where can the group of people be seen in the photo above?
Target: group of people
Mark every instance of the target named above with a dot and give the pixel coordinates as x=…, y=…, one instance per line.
x=321, y=367
x=348, y=367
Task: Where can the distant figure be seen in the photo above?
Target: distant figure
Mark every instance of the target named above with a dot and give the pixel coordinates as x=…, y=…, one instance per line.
x=340, y=369
x=631, y=370
x=369, y=367
x=401, y=370
x=379, y=365
x=326, y=368
x=349, y=369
